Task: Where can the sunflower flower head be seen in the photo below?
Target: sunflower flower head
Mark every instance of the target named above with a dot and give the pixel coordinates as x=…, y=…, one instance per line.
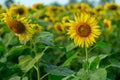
x=37, y=6
x=18, y=9
x=107, y=24
x=0, y=6
x=83, y=30
x=59, y=27
x=20, y=26
x=36, y=27
x=111, y=6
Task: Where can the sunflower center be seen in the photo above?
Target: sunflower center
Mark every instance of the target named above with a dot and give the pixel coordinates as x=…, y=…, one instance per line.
x=17, y=26
x=113, y=7
x=37, y=6
x=106, y=25
x=59, y=28
x=20, y=11
x=83, y=30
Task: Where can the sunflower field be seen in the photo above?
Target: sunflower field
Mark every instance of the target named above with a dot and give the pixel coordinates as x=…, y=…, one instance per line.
x=77, y=41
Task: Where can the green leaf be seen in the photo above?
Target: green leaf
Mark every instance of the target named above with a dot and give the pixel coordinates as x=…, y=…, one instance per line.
x=100, y=74
x=82, y=74
x=15, y=78
x=45, y=37
x=86, y=65
x=95, y=63
x=115, y=63
x=25, y=78
x=54, y=77
x=2, y=47
x=101, y=56
x=29, y=63
x=15, y=51
x=102, y=44
x=69, y=60
x=24, y=60
x=71, y=77
x=8, y=38
x=58, y=70
x=70, y=47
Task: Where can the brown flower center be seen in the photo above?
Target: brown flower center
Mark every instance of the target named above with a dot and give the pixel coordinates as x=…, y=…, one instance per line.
x=113, y=7
x=19, y=11
x=83, y=30
x=59, y=28
x=16, y=26
x=106, y=25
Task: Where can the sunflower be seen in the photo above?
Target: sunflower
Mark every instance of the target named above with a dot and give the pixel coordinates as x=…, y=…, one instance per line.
x=84, y=30
x=52, y=8
x=18, y=9
x=111, y=6
x=70, y=6
x=36, y=27
x=20, y=26
x=37, y=6
x=107, y=24
x=65, y=21
x=82, y=7
x=99, y=8
x=61, y=9
x=0, y=6
x=59, y=27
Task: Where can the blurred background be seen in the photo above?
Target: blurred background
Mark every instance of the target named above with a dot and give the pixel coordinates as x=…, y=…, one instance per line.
x=61, y=2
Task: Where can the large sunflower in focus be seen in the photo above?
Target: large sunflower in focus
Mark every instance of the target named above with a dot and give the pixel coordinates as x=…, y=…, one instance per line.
x=83, y=30
x=20, y=26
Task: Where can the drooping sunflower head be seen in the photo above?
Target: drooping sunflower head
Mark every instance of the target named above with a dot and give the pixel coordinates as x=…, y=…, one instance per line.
x=92, y=12
x=70, y=6
x=111, y=6
x=0, y=6
x=52, y=8
x=107, y=24
x=82, y=7
x=99, y=8
x=20, y=26
x=61, y=9
x=65, y=19
x=84, y=30
x=36, y=27
x=18, y=9
x=37, y=6
x=59, y=27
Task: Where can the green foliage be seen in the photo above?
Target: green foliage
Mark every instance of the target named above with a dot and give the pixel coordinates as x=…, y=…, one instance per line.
x=51, y=55
x=99, y=74
x=58, y=70
x=15, y=78
x=26, y=63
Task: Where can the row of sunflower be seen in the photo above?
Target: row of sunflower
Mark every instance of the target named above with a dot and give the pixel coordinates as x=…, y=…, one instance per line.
x=52, y=42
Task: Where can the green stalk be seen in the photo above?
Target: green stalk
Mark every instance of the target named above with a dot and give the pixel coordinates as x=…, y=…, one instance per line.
x=86, y=54
x=87, y=63
x=38, y=72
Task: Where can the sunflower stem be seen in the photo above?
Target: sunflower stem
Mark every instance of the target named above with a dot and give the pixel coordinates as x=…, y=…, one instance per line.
x=87, y=63
x=37, y=63
x=44, y=76
x=38, y=72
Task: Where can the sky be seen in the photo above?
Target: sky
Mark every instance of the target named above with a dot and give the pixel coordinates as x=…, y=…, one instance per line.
x=46, y=2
